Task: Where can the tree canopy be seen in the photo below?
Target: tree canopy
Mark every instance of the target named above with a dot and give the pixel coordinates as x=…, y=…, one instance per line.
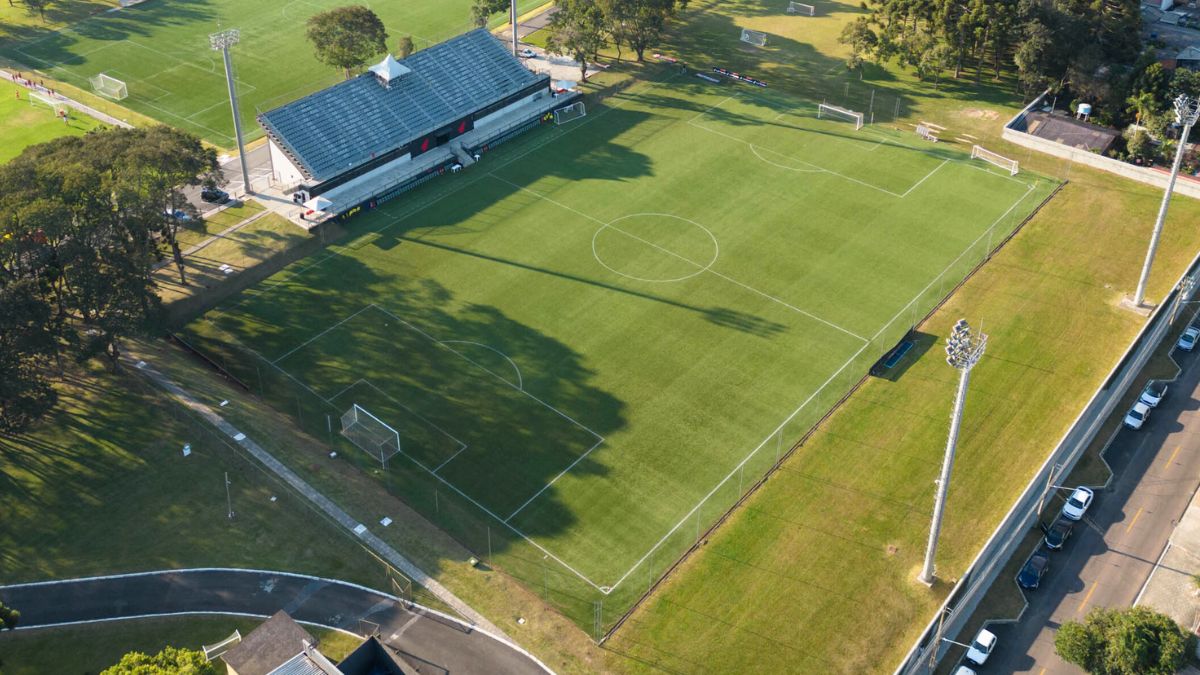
x=577, y=30
x=1128, y=641
x=169, y=661
x=83, y=222
x=9, y=617
x=347, y=37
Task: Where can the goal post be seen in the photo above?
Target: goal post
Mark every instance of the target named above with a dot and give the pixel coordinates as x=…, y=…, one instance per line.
x=801, y=9
x=754, y=37
x=1009, y=165
x=571, y=112
x=825, y=110
x=370, y=433
x=109, y=86
x=56, y=105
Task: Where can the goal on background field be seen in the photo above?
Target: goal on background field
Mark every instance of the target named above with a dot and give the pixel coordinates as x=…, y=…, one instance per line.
x=825, y=110
x=571, y=112
x=58, y=106
x=754, y=37
x=370, y=433
x=109, y=86
x=1009, y=165
x=801, y=9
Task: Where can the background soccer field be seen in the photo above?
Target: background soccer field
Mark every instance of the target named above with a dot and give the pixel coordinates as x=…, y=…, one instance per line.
x=23, y=123
x=596, y=340
x=160, y=49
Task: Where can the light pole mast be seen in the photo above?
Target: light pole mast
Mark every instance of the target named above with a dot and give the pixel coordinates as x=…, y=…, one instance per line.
x=1186, y=111
x=513, y=10
x=963, y=351
x=222, y=42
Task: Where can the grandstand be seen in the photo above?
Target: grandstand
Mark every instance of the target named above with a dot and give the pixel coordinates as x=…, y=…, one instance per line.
x=366, y=140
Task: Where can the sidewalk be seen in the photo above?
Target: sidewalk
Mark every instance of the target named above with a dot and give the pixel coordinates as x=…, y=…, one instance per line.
x=381, y=548
x=72, y=103
x=1170, y=588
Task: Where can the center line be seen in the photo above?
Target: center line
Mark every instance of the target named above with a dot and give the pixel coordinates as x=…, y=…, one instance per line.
x=1086, y=598
x=1172, y=459
x=1135, y=517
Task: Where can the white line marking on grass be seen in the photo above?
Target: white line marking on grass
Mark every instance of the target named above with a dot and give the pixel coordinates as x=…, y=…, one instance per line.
x=740, y=464
x=304, y=344
x=700, y=269
x=754, y=148
x=520, y=380
x=449, y=459
x=462, y=445
x=553, y=481
x=918, y=183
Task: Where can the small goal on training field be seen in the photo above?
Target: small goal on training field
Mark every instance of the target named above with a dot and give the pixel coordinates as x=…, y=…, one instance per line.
x=58, y=106
x=754, y=37
x=801, y=9
x=825, y=110
x=571, y=112
x=370, y=433
x=109, y=86
x=1009, y=165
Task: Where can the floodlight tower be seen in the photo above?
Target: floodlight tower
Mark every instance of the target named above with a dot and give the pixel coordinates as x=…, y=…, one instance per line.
x=221, y=42
x=1187, y=109
x=513, y=12
x=963, y=351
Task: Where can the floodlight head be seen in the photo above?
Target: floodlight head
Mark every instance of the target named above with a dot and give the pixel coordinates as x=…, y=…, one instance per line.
x=1187, y=109
x=225, y=39
x=964, y=349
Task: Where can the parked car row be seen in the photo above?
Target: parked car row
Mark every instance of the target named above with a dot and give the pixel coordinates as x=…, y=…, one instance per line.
x=1030, y=576
x=1152, y=395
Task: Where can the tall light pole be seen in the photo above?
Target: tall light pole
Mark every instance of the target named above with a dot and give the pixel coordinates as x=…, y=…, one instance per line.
x=513, y=11
x=222, y=42
x=1186, y=111
x=963, y=351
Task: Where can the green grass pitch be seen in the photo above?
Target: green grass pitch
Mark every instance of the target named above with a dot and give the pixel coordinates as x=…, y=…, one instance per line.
x=160, y=50
x=595, y=340
x=23, y=123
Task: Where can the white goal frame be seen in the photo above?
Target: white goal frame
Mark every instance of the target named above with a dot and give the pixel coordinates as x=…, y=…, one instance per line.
x=801, y=9
x=1009, y=165
x=825, y=110
x=109, y=87
x=58, y=106
x=569, y=113
x=754, y=37
x=370, y=433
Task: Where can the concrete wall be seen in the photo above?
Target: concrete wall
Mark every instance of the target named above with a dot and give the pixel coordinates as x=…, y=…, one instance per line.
x=1185, y=185
x=500, y=114
x=285, y=172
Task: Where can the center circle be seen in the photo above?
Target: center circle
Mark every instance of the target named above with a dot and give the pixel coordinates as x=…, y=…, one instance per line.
x=655, y=247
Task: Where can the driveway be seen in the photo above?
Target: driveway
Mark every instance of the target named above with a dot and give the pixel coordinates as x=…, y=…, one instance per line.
x=1113, y=551
x=429, y=640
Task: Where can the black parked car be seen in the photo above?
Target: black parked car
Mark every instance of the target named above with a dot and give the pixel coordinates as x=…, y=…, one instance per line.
x=1034, y=569
x=214, y=195
x=1058, y=533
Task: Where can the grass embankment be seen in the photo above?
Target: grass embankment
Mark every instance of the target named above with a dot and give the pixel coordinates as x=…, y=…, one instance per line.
x=92, y=648
x=102, y=487
x=23, y=123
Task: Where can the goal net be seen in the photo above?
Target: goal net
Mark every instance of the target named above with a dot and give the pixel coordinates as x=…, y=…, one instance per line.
x=370, y=433
x=571, y=112
x=58, y=106
x=801, y=9
x=832, y=111
x=754, y=37
x=1009, y=165
x=218, y=648
x=109, y=86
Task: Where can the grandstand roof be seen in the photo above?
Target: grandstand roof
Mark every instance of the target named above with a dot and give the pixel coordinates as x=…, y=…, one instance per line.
x=345, y=125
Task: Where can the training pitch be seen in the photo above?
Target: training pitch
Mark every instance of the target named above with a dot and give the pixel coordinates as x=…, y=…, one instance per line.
x=594, y=341
x=161, y=51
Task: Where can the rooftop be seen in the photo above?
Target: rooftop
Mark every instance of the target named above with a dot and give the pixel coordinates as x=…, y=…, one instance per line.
x=349, y=123
x=1070, y=131
x=269, y=646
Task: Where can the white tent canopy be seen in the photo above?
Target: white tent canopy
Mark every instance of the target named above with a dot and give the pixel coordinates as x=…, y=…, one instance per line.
x=318, y=203
x=564, y=85
x=389, y=69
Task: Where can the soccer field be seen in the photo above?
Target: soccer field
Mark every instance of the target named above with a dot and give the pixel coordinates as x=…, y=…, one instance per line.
x=595, y=341
x=23, y=123
x=160, y=50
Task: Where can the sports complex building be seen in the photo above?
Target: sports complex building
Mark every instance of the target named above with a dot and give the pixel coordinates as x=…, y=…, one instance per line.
x=366, y=140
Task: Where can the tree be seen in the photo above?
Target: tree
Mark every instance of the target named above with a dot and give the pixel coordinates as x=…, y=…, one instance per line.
x=858, y=36
x=169, y=661
x=347, y=37
x=482, y=11
x=1130, y=641
x=640, y=23
x=29, y=341
x=577, y=31
x=405, y=48
x=9, y=617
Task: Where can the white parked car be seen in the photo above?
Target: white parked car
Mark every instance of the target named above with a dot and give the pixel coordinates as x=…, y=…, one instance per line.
x=963, y=670
x=1137, y=415
x=1154, y=392
x=1078, y=503
x=981, y=647
x=1187, y=341
x=527, y=53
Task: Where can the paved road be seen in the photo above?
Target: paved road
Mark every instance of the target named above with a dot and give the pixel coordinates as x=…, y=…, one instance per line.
x=1106, y=562
x=430, y=641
